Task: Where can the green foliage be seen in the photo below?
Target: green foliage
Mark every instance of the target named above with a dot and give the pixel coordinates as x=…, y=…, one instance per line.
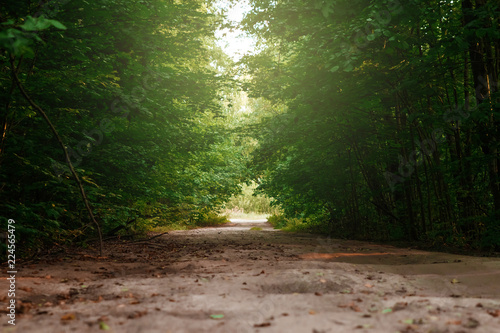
x=377, y=122
x=132, y=89
x=277, y=221
x=211, y=219
x=367, y=119
x=291, y=224
x=248, y=202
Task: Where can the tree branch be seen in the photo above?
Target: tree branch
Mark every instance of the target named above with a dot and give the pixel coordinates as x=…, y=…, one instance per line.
x=68, y=160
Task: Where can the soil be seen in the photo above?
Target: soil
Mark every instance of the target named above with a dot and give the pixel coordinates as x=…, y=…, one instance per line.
x=233, y=279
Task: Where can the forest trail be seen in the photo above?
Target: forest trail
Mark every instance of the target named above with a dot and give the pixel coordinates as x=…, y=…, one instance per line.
x=233, y=279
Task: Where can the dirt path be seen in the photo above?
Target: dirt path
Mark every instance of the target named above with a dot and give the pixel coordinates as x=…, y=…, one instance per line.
x=233, y=279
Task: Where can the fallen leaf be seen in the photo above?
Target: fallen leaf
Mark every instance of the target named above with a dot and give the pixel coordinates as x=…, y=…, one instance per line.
x=262, y=325
x=68, y=317
x=137, y=314
x=363, y=326
x=399, y=306
x=217, y=316
x=454, y=322
x=454, y=281
x=494, y=313
x=318, y=294
x=103, y=326
x=471, y=323
x=355, y=308
x=367, y=285
x=312, y=312
x=27, y=289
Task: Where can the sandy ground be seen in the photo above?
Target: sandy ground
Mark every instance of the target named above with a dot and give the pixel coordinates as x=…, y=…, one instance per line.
x=233, y=279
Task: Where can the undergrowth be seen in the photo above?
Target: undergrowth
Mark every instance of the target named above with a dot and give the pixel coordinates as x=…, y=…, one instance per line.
x=248, y=205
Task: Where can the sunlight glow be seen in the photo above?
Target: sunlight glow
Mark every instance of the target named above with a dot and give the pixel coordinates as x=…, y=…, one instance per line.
x=234, y=42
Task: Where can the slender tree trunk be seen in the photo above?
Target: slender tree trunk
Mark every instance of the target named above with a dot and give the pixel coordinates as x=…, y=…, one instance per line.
x=354, y=194
x=63, y=147
x=419, y=190
x=484, y=71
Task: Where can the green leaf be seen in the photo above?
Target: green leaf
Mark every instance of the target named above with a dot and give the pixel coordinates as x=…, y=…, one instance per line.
x=35, y=24
x=58, y=24
x=103, y=326
x=349, y=68
x=217, y=316
x=371, y=37
x=326, y=11
x=388, y=310
x=334, y=69
x=15, y=42
x=40, y=23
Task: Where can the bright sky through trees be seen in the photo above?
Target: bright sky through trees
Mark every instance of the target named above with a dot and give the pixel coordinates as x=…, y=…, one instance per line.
x=234, y=41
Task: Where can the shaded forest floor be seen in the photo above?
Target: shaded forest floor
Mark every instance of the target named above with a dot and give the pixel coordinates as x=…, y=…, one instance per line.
x=233, y=279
